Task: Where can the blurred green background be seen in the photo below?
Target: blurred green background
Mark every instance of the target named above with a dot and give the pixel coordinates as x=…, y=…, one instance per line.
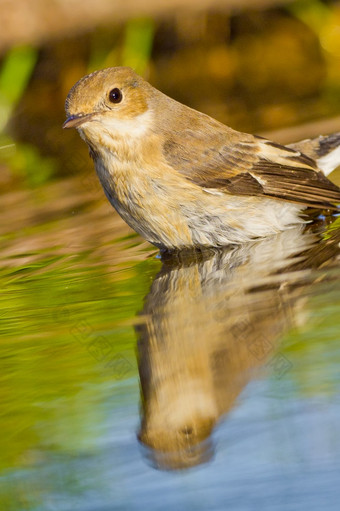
x=259, y=66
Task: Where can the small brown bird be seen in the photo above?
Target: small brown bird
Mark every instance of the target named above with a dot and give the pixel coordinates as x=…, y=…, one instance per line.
x=182, y=179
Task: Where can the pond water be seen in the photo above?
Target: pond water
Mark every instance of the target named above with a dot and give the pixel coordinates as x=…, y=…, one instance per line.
x=206, y=381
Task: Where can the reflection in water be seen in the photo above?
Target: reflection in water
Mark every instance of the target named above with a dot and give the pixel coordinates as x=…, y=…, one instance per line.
x=210, y=322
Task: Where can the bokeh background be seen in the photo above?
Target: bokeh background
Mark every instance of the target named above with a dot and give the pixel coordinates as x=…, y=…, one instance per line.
x=257, y=65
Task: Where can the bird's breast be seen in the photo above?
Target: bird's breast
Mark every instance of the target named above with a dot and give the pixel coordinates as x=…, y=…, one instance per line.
x=171, y=212
x=145, y=200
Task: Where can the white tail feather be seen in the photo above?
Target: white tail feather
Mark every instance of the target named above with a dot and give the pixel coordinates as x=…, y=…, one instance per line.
x=330, y=161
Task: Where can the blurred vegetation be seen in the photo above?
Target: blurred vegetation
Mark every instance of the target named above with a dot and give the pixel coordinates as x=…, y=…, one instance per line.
x=256, y=70
x=16, y=71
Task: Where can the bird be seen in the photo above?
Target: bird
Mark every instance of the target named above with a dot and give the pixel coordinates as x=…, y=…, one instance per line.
x=184, y=180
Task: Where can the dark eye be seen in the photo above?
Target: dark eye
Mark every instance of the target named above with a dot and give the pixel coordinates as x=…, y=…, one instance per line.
x=115, y=95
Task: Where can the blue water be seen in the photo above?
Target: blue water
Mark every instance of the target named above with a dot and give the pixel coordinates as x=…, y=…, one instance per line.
x=247, y=343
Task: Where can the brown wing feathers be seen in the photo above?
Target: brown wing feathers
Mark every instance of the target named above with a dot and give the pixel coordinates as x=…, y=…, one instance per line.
x=255, y=166
x=297, y=184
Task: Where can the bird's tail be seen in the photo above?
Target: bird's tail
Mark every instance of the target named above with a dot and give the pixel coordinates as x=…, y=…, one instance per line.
x=325, y=150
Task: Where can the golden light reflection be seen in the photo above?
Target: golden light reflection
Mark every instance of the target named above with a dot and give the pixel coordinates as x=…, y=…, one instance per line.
x=210, y=323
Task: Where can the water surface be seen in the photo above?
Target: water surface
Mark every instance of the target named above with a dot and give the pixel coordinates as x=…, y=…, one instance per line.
x=193, y=382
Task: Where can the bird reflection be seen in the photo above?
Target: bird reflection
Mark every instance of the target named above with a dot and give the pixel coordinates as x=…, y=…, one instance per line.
x=210, y=322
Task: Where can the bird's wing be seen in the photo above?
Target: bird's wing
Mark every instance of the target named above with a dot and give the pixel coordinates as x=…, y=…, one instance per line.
x=243, y=164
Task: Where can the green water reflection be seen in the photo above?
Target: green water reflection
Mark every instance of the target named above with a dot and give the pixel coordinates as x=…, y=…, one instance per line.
x=218, y=335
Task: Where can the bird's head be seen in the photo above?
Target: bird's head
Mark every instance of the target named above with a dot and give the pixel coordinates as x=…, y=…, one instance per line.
x=113, y=102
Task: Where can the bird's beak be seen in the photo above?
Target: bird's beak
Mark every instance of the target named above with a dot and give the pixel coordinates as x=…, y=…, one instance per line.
x=74, y=121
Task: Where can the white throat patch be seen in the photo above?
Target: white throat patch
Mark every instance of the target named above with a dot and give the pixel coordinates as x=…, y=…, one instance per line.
x=134, y=128
x=108, y=129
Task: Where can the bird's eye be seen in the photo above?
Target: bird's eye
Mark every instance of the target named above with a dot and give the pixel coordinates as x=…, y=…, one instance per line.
x=115, y=95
